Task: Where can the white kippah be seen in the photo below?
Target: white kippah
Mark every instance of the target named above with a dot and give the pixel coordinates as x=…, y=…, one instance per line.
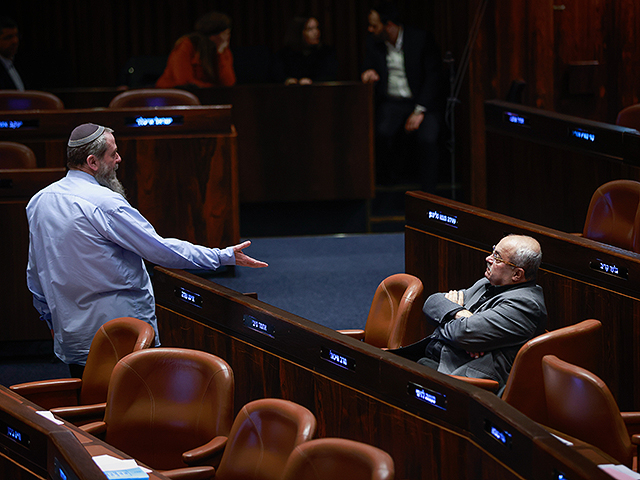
x=85, y=133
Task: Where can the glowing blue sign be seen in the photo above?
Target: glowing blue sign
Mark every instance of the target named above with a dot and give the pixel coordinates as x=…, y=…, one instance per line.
x=258, y=325
x=583, y=135
x=428, y=396
x=450, y=220
x=154, y=121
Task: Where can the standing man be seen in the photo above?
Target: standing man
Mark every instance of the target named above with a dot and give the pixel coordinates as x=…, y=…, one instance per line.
x=87, y=245
x=480, y=330
x=406, y=67
x=9, y=41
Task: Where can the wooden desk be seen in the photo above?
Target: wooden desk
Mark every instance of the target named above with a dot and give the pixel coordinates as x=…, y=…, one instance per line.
x=543, y=167
x=295, y=143
x=446, y=244
x=182, y=176
x=19, y=319
x=33, y=447
x=361, y=392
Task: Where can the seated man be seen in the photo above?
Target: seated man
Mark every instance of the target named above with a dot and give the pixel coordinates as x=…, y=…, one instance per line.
x=480, y=330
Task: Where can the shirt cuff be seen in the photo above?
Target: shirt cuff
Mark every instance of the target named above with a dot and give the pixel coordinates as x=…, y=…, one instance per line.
x=227, y=256
x=419, y=109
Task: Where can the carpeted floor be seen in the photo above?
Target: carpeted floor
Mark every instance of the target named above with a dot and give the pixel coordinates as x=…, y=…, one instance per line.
x=326, y=279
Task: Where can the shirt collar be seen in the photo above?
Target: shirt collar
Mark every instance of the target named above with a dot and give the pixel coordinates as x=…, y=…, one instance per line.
x=399, y=41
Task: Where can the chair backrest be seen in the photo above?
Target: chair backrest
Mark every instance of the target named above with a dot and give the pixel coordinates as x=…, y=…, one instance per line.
x=153, y=97
x=29, y=100
x=579, y=344
x=114, y=340
x=165, y=401
x=16, y=155
x=614, y=215
x=263, y=435
x=395, y=317
x=629, y=117
x=334, y=458
x=580, y=405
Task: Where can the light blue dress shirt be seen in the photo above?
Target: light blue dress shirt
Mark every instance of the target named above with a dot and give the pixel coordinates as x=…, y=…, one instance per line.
x=86, y=251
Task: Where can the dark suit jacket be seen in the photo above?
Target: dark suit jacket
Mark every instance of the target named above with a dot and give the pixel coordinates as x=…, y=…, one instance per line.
x=6, y=83
x=423, y=67
x=504, y=319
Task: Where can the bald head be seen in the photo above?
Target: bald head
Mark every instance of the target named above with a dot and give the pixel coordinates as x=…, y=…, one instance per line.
x=526, y=253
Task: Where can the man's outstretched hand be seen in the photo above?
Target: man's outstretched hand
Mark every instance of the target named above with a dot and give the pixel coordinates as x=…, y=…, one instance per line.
x=243, y=260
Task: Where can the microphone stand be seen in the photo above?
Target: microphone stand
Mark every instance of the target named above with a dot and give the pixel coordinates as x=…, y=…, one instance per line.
x=455, y=84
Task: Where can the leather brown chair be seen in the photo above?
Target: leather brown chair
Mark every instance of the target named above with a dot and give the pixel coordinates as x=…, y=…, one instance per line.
x=153, y=97
x=629, y=117
x=263, y=435
x=334, y=458
x=167, y=407
x=29, y=100
x=395, y=317
x=579, y=344
x=16, y=156
x=83, y=400
x=614, y=215
x=579, y=404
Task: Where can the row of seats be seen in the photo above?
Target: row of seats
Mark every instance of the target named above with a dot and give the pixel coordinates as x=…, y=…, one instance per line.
x=145, y=97
x=172, y=409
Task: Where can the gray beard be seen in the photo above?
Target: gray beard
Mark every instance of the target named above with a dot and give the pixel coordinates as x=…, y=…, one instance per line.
x=107, y=178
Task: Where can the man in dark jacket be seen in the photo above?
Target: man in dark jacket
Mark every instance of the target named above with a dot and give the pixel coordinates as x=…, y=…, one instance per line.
x=9, y=41
x=405, y=65
x=480, y=330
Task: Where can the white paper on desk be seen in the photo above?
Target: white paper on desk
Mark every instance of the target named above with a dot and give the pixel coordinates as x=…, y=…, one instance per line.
x=49, y=416
x=107, y=463
x=621, y=472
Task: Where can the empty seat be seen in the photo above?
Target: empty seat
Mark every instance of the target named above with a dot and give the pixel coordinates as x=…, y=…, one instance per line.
x=582, y=406
x=335, y=458
x=579, y=344
x=153, y=97
x=629, y=117
x=82, y=400
x=263, y=435
x=29, y=100
x=16, y=155
x=395, y=318
x=613, y=216
x=166, y=405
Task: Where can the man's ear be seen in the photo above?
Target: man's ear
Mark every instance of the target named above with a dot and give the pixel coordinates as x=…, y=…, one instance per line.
x=93, y=163
x=518, y=274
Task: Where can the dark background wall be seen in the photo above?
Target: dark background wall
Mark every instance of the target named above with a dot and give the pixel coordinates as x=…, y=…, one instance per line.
x=578, y=57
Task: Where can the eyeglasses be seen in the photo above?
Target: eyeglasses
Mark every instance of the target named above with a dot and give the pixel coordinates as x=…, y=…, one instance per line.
x=498, y=259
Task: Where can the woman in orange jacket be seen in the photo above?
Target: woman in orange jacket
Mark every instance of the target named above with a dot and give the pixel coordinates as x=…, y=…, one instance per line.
x=202, y=58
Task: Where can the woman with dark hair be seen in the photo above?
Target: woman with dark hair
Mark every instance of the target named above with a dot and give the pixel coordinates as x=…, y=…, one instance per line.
x=304, y=59
x=202, y=58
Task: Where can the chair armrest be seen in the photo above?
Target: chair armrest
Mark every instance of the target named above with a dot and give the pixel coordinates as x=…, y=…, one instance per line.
x=635, y=439
x=95, y=428
x=210, y=449
x=50, y=393
x=353, y=333
x=81, y=414
x=484, y=383
x=632, y=422
x=189, y=473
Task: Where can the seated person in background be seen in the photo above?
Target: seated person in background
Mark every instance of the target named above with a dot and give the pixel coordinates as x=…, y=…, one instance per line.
x=202, y=58
x=87, y=245
x=480, y=330
x=304, y=59
x=9, y=42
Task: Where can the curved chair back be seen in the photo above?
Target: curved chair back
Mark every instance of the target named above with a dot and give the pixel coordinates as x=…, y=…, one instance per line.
x=614, y=215
x=153, y=97
x=580, y=405
x=395, y=317
x=29, y=100
x=165, y=401
x=263, y=435
x=579, y=344
x=629, y=117
x=333, y=458
x=16, y=155
x=114, y=340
